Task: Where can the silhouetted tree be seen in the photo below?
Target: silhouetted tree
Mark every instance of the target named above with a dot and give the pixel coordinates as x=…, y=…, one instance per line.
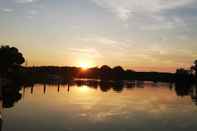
x=183, y=76
x=129, y=75
x=105, y=72
x=118, y=73
x=10, y=58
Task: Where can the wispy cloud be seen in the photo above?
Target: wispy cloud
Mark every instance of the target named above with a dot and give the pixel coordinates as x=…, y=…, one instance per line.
x=158, y=55
x=89, y=52
x=99, y=39
x=25, y=1
x=7, y=10
x=126, y=8
x=32, y=12
x=107, y=42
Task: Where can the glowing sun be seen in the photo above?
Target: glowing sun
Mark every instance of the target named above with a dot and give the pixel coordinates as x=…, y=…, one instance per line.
x=85, y=64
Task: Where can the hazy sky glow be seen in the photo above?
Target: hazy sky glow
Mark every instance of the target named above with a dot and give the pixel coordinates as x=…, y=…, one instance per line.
x=145, y=35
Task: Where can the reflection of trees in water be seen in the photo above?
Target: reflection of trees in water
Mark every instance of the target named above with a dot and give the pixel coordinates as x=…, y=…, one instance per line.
x=130, y=85
x=91, y=84
x=10, y=95
x=105, y=86
x=186, y=89
x=1, y=110
x=182, y=89
x=194, y=95
x=118, y=86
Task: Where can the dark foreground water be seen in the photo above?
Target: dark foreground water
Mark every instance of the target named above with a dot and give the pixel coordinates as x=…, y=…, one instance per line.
x=143, y=107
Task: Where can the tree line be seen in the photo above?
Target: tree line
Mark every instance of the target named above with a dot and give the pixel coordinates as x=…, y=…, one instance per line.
x=12, y=59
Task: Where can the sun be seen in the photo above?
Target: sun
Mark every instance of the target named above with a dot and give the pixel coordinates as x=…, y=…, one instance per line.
x=84, y=65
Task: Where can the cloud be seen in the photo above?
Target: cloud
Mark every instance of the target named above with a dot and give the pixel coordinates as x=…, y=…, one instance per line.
x=25, y=1
x=180, y=57
x=107, y=42
x=99, y=39
x=112, y=48
x=7, y=10
x=126, y=8
x=89, y=52
x=159, y=22
x=162, y=26
x=32, y=12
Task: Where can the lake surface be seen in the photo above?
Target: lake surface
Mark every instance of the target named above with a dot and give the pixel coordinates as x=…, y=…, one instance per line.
x=144, y=107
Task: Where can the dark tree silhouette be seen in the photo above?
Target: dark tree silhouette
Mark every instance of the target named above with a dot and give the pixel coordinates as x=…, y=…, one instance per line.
x=105, y=72
x=118, y=73
x=10, y=58
x=105, y=68
x=183, y=76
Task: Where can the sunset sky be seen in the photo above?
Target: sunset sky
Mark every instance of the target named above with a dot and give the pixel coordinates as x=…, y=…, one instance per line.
x=148, y=35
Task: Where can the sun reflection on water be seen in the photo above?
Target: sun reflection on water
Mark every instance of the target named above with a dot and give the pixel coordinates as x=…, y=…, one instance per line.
x=84, y=89
x=88, y=105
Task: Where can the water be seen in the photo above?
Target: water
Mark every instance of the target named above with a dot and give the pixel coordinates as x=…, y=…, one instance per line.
x=143, y=107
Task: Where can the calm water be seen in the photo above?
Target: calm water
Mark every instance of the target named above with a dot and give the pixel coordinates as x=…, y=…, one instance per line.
x=143, y=107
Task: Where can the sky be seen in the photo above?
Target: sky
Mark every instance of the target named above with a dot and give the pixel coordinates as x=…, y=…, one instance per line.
x=144, y=35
